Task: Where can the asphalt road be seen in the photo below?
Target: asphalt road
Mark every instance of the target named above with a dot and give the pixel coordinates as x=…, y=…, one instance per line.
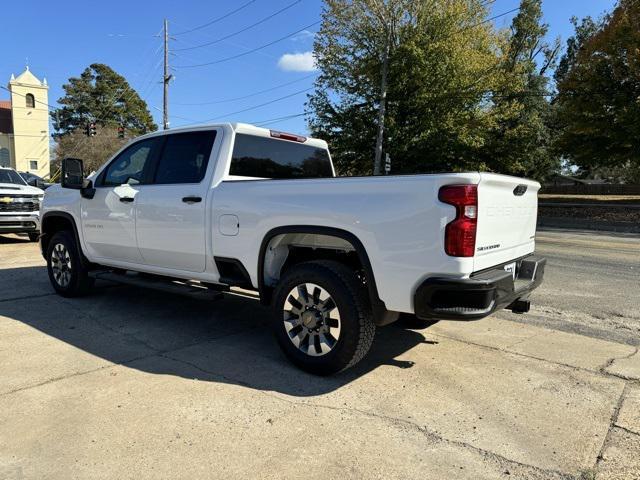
x=133, y=383
x=591, y=285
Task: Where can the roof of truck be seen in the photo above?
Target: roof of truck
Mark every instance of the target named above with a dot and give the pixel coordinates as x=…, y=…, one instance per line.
x=249, y=129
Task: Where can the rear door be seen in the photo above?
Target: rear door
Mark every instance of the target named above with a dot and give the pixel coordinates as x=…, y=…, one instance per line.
x=507, y=215
x=171, y=211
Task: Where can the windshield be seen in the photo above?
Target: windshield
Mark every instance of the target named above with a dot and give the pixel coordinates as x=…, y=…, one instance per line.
x=10, y=176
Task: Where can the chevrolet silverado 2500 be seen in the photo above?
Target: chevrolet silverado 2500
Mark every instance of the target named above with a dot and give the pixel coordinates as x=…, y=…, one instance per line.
x=233, y=205
x=19, y=205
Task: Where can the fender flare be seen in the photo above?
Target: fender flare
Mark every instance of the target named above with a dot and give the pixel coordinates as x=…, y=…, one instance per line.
x=69, y=217
x=265, y=292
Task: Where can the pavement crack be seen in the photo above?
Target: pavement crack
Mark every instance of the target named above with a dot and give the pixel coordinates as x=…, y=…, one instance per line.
x=109, y=328
x=626, y=430
x=57, y=379
x=612, y=424
x=526, y=339
x=611, y=361
x=26, y=297
x=155, y=353
x=518, y=354
x=423, y=430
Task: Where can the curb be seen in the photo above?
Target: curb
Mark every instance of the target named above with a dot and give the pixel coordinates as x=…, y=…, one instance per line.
x=588, y=224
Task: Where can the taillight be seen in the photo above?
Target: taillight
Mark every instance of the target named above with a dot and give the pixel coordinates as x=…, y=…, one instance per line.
x=288, y=136
x=460, y=234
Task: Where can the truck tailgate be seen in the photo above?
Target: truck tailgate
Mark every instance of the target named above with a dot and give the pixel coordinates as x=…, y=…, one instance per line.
x=507, y=215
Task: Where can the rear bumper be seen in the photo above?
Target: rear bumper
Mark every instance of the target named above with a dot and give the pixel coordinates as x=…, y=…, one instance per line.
x=480, y=295
x=19, y=223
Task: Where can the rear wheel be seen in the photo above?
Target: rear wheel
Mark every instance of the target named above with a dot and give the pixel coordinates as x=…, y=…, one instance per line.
x=68, y=276
x=322, y=317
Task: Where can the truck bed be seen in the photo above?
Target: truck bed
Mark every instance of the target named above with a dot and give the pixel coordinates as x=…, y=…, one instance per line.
x=398, y=219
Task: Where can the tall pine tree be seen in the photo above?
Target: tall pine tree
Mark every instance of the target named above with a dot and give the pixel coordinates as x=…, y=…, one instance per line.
x=102, y=96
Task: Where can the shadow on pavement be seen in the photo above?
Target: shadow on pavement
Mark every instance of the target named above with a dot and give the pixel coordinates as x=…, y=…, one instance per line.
x=227, y=340
x=7, y=239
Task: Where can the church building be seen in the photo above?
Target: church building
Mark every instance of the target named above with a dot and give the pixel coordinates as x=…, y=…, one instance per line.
x=24, y=125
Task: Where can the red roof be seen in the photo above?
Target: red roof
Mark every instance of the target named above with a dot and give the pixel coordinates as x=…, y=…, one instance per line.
x=6, y=125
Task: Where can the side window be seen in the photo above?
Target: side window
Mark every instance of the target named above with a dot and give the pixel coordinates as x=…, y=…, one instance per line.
x=30, y=100
x=129, y=166
x=185, y=157
x=263, y=157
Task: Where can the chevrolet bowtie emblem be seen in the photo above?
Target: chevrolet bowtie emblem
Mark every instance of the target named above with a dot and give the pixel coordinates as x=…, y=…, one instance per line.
x=6, y=199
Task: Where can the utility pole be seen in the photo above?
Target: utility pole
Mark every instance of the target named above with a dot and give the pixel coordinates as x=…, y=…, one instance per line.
x=166, y=78
x=377, y=162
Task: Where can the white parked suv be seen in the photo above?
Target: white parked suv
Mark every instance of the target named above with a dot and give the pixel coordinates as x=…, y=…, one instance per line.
x=19, y=205
x=235, y=205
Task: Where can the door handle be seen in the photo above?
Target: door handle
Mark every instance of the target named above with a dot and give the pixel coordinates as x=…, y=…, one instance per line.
x=192, y=199
x=126, y=199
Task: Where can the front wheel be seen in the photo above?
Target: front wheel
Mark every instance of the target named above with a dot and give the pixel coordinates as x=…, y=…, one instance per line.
x=68, y=275
x=322, y=317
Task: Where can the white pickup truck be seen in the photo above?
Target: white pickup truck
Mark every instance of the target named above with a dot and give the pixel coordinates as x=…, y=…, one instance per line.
x=233, y=205
x=19, y=205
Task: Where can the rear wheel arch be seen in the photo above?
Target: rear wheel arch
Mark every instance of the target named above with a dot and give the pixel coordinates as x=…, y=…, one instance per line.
x=344, y=236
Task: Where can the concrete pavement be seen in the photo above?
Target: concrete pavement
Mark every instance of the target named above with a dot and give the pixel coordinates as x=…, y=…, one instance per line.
x=129, y=383
x=592, y=285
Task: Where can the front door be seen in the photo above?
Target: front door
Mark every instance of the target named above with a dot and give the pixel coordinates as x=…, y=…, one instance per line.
x=171, y=211
x=109, y=218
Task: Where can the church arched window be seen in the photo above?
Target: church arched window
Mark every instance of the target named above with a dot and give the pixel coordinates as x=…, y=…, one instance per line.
x=5, y=160
x=31, y=101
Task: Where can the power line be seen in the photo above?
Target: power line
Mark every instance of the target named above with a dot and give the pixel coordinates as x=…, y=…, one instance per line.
x=278, y=119
x=255, y=106
x=260, y=105
x=228, y=100
x=215, y=20
x=23, y=95
x=127, y=92
x=259, y=22
x=233, y=57
x=490, y=19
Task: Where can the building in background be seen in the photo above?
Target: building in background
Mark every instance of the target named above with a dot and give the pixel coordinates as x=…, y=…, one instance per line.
x=24, y=125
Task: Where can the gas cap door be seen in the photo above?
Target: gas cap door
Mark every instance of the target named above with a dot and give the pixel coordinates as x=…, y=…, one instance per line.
x=229, y=225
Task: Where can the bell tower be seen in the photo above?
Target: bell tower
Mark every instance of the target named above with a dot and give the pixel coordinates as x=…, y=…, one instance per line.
x=30, y=118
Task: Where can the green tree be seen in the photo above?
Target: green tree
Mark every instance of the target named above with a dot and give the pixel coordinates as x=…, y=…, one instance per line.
x=102, y=96
x=94, y=151
x=522, y=129
x=598, y=98
x=584, y=30
x=425, y=64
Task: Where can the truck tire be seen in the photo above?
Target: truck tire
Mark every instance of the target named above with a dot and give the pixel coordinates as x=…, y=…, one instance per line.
x=67, y=273
x=322, y=317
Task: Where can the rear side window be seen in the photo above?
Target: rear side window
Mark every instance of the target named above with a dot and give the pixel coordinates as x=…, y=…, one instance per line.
x=185, y=157
x=270, y=158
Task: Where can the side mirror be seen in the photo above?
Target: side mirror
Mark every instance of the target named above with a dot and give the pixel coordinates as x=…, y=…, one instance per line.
x=33, y=182
x=72, y=173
